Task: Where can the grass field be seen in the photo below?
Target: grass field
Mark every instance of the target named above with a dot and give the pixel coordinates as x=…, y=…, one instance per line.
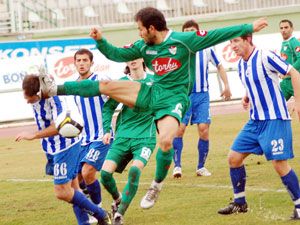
x=27, y=197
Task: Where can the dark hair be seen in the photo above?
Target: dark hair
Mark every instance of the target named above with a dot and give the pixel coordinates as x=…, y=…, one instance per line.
x=286, y=21
x=248, y=37
x=127, y=70
x=84, y=51
x=151, y=16
x=190, y=23
x=31, y=85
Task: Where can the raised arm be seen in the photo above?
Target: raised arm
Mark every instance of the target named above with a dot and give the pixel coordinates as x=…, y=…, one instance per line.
x=201, y=39
x=112, y=52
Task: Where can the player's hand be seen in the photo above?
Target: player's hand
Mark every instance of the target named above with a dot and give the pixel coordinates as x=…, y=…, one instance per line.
x=48, y=87
x=297, y=109
x=25, y=136
x=245, y=102
x=95, y=34
x=259, y=24
x=106, y=138
x=226, y=94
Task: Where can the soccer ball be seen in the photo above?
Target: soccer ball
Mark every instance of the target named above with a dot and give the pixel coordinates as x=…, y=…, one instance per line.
x=69, y=123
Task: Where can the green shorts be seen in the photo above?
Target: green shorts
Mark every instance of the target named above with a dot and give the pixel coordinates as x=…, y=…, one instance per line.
x=162, y=102
x=287, y=88
x=125, y=149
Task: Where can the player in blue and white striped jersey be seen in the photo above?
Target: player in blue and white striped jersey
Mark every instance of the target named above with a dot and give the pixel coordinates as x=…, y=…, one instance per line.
x=199, y=111
x=269, y=130
x=93, y=149
x=65, y=151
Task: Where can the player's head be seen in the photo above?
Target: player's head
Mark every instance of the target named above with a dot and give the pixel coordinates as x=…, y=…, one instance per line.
x=190, y=25
x=242, y=46
x=83, y=61
x=31, y=88
x=286, y=28
x=150, y=21
x=134, y=65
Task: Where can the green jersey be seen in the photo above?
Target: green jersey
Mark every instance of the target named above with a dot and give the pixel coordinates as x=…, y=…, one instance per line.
x=173, y=60
x=290, y=51
x=130, y=124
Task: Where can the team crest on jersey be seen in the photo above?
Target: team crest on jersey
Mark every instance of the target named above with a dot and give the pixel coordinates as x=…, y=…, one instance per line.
x=201, y=33
x=285, y=48
x=297, y=49
x=173, y=50
x=128, y=46
x=161, y=66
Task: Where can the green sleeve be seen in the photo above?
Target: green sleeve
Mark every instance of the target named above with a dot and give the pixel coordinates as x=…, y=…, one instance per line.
x=201, y=40
x=296, y=51
x=107, y=114
x=116, y=54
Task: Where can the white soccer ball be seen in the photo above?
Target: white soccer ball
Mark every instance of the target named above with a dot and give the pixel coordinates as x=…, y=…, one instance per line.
x=69, y=123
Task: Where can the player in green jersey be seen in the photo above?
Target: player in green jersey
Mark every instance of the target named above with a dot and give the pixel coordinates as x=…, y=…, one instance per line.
x=135, y=139
x=290, y=51
x=171, y=55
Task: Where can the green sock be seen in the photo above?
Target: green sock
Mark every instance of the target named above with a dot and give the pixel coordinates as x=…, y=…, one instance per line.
x=84, y=88
x=163, y=163
x=109, y=183
x=130, y=189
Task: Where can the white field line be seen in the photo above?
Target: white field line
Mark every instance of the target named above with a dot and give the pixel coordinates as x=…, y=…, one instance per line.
x=210, y=186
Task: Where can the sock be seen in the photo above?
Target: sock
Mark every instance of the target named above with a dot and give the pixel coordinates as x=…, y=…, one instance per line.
x=81, y=201
x=94, y=190
x=292, y=185
x=177, y=145
x=238, y=179
x=81, y=215
x=163, y=163
x=109, y=183
x=130, y=189
x=84, y=88
x=203, y=147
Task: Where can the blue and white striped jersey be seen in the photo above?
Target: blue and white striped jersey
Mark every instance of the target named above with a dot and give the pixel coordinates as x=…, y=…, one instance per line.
x=45, y=112
x=91, y=111
x=203, y=58
x=259, y=75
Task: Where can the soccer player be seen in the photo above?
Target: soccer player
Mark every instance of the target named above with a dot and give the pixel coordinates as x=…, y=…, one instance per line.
x=135, y=139
x=93, y=149
x=269, y=130
x=199, y=111
x=290, y=51
x=171, y=55
x=65, y=151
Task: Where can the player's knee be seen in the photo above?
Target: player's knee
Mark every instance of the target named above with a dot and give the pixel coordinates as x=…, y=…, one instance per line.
x=62, y=193
x=88, y=173
x=165, y=142
x=233, y=161
x=203, y=131
x=105, y=177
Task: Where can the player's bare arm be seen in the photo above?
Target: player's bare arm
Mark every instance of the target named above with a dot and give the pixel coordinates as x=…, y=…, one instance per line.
x=226, y=93
x=295, y=76
x=48, y=132
x=259, y=24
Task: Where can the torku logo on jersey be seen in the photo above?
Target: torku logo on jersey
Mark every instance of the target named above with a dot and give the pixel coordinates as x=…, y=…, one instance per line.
x=161, y=66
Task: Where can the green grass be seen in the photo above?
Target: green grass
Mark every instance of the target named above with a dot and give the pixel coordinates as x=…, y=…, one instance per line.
x=190, y=200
